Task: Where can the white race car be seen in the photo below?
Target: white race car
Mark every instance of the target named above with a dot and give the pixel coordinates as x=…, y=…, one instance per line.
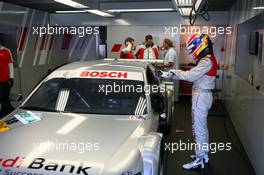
x=87, y=118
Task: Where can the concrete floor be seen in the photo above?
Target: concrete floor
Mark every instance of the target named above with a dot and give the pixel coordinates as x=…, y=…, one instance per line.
x=221, y=130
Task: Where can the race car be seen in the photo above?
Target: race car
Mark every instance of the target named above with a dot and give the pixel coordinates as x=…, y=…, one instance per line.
x=87, y=118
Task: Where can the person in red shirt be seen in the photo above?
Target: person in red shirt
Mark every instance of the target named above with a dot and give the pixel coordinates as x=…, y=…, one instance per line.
x=6, y=80
x=147, y=51
x=126, y=52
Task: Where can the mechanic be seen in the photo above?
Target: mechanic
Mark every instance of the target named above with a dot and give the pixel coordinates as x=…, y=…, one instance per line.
x=6, y=80
x=203, y=77
x=170, y=60
x=170, y=55
x=126, y=52
x=148, y=50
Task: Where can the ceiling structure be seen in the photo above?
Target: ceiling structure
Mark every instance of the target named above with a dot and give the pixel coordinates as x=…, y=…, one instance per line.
x=53, y=6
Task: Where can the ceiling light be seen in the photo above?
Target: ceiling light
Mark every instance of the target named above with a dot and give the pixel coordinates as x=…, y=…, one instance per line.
x=100, y=13
x=184, y=2
x=13, y=12
x=122, y=22
x=142, y=10
x=258, y=8
x=185, y=11
x=184, y=6
x=73, y=11
x=72, y=4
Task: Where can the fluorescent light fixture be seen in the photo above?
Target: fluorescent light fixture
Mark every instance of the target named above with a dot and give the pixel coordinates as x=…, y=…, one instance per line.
x=184, y=2
x=72, y=4
x=100, y=13
x=122, y=22
x=73, y=11
x=185, y=11
x=13, y=12
x=258, y=8
x=97, y=12
x=142, y=10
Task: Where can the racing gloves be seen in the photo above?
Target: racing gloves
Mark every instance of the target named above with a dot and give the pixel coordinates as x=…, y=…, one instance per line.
x=168, y=74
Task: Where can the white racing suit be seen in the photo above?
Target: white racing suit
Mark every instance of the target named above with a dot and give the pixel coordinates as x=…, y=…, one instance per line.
x=203, y=78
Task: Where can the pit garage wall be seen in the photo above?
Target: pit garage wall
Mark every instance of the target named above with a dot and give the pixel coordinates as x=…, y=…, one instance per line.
x=117, y=35
x=34, y=55
x=136, y=25
x=244, y=103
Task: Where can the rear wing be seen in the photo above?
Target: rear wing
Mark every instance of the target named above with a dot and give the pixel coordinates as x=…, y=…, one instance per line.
x=134, y=60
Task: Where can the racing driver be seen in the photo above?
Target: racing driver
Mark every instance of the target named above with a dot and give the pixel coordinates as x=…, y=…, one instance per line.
x=203, y=77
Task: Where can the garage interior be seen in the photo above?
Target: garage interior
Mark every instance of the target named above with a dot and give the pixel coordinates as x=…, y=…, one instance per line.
x=237, y=115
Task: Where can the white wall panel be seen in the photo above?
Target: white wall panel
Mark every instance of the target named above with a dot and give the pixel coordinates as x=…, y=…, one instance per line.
x=244, y=103
x=117, y=35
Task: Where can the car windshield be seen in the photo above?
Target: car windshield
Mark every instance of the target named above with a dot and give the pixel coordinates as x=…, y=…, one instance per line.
x=89, y=96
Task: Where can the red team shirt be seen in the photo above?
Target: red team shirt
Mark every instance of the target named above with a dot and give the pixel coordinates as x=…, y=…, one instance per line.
x=5, y=59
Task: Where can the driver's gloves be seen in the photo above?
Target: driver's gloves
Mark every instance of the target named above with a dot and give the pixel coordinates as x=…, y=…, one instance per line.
x=168, y=74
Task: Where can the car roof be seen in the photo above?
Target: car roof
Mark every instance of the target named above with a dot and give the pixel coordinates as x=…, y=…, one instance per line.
x=110, y=65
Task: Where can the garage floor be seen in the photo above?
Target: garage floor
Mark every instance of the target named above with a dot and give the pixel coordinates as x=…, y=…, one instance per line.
x=221, y=130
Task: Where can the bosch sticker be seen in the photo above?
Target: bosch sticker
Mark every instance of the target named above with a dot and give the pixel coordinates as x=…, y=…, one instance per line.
x=104, y=74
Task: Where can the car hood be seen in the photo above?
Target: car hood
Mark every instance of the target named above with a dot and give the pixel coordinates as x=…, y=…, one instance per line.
x=83, y=141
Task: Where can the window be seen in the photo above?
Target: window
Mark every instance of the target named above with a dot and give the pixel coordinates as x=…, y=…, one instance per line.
x=90, y=96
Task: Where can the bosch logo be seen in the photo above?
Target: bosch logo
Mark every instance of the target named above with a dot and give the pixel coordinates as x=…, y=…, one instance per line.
x=104, y=74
